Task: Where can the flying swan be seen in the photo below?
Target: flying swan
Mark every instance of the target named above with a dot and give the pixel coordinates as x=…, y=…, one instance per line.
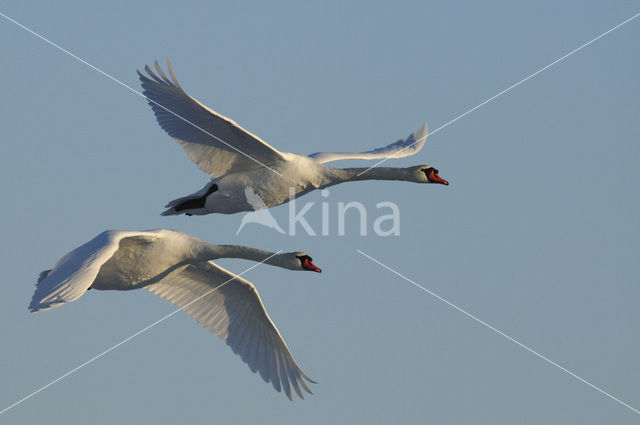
x=177, y=267
x=236, y=159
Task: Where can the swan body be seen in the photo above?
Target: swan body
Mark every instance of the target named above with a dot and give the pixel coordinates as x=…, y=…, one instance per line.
x=177, y=267
x=260, y=213
x=236, y=159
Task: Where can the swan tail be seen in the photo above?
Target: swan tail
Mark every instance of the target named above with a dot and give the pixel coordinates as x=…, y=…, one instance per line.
x=185, y=205
x=170, y=211
x=175, y=202
x=195, y=201
x=175, y=207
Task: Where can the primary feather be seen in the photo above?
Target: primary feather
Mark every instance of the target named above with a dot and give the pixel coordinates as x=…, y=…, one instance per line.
x=214, y=142
x=403, y=147
x=177, y=267
x=236, y=158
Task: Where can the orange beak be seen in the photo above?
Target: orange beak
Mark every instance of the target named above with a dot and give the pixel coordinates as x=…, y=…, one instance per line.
x=433, y=177
x=308, y=265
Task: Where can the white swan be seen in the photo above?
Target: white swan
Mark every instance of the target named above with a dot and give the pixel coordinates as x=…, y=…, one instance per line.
x=235, y=158
x=176, y=266
x=260, y=215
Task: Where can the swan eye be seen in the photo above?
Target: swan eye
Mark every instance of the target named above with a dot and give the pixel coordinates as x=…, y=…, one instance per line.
x=303, y=259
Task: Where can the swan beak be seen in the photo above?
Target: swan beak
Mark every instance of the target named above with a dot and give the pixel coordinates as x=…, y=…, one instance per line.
x=308, y=265
x=433, y=177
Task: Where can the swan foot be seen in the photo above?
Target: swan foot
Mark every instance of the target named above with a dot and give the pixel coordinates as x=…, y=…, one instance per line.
x=197, y=202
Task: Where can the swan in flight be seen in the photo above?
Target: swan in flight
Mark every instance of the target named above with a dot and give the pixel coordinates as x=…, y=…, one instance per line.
x=236, y=158
x=261, y=215
x=177, y=267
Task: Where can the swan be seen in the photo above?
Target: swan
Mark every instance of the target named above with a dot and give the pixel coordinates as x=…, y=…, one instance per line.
x=236, y=158
x=176, y=266
x=260, y=215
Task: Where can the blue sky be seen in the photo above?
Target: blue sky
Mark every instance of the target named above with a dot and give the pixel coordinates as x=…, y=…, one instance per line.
x=538, y=234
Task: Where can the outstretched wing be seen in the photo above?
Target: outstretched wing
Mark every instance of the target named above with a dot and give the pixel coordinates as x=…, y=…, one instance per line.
x=409, y=146
x=74, y=273
x=215, y=143
x=230, y=307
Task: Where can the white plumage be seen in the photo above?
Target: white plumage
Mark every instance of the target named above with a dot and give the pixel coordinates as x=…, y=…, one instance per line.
x=236, y=158
x=260, y=215
x=177, y=267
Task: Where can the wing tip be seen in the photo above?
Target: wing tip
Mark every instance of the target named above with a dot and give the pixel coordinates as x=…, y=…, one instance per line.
x=421, y=134
x=36, y=306
x=43, y=274
x=311, y=381
x=159, y=75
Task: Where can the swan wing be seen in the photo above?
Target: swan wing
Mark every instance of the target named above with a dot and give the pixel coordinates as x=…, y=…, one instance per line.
x=74, y=273
x=230, y=307
x=403, y=147
x=215, y=143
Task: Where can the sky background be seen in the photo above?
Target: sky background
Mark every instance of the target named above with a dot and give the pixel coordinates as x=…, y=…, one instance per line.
x=538, y=233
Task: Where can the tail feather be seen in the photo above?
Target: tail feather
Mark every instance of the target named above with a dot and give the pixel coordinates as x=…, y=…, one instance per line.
x=171, y=206
x=170, y=211
x=175, y=202
x=194, y=201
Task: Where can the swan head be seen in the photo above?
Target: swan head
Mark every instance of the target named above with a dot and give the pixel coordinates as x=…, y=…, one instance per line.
x=427, y=174
x=298, y=261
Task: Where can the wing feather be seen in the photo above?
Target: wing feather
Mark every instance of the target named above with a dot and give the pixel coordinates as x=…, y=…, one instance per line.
x=239, y=329
x=230, y=307
x=403, y=147
x=245, y=342
x=273, y=364
x=215, y=143
x=263, y=359
x=74, y=273
x=282, y=374
x=252, y=349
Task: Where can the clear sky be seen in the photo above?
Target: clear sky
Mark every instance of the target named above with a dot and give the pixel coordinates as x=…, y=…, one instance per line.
x=538, y=233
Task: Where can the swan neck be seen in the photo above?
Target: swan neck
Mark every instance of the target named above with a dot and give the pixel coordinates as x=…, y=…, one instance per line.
x=248, y=253
x=375, y=173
